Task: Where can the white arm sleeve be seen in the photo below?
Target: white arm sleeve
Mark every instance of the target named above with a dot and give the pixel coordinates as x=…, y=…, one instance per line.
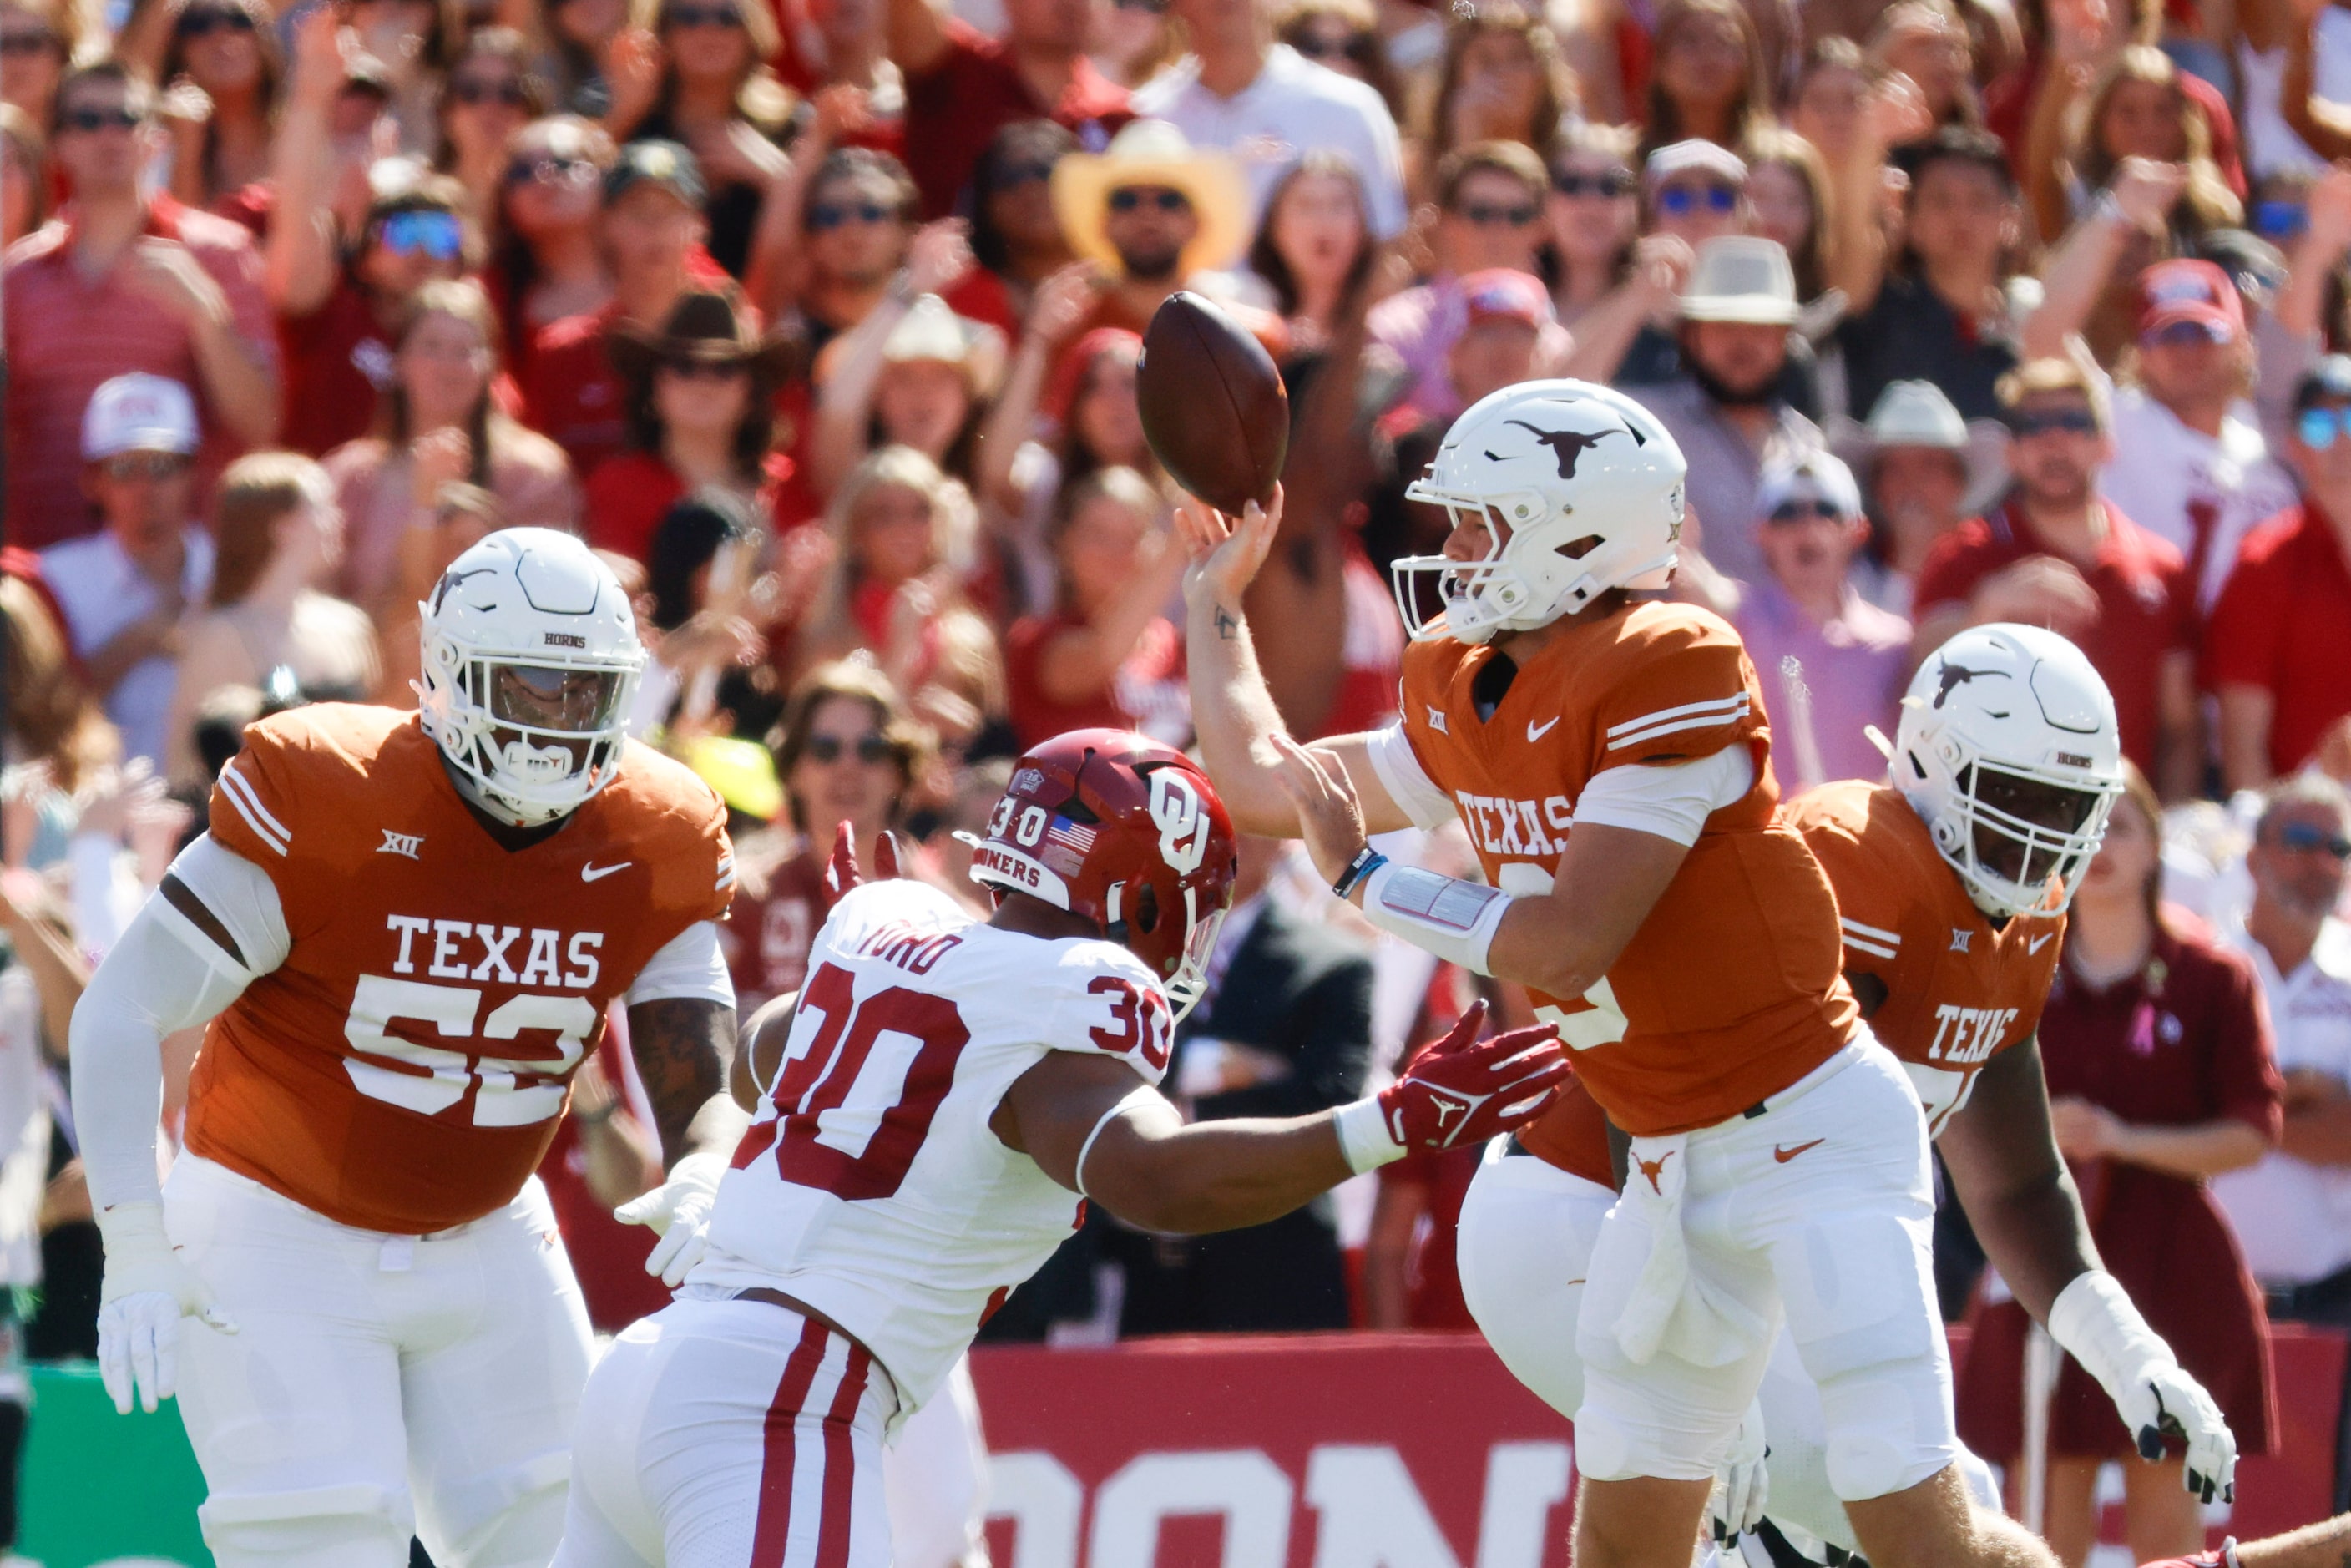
x=162, y=975
x=241, y=897
x=1405, y=780
x=1673, y=799
x=689, y=965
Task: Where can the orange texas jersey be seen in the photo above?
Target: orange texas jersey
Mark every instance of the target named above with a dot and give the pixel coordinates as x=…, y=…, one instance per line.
x=1730, y=990
x=1958, y=991
x=403, y=1068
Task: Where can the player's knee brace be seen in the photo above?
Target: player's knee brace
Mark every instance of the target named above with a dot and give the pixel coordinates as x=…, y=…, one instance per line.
x=354, y=1525
x=508, y=1517
x=1887, y=1431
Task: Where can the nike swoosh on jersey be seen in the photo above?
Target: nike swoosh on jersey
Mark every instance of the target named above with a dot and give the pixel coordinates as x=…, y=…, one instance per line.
x=1784, y=1155
x=596, y=872
x=2038, y=942
x=1537, y=731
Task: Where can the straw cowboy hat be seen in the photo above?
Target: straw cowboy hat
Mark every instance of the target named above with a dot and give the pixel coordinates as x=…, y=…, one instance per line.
x=1153, y=152
x=1742, y=279
x=1917, y=413
x=708, y=325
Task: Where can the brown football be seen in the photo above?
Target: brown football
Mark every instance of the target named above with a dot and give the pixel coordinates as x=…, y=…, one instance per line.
x=1213, y=405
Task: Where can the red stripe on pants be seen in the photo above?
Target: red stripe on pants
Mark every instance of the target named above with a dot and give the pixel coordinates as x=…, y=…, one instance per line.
x=841, y=1462
x=773, y=1529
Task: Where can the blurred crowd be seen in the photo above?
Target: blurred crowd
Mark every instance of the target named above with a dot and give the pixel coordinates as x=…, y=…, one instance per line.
x=820, y=318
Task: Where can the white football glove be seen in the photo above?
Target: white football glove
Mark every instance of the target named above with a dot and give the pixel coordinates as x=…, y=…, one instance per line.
x=1741, y=1486
x=2093, y=1319
x=147, y=1290
x=679, y=1213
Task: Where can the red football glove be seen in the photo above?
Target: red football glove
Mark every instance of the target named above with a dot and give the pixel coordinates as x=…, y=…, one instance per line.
x=840, y=871
x=1462, y=1089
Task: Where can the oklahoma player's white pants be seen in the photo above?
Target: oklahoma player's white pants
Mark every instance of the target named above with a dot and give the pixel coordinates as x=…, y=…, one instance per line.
x=377, y=1385
x=726, y=1434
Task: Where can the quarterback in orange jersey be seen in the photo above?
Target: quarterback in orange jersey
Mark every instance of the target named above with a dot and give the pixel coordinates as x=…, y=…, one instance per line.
x=1610, y=760
x=405, y=930
x=1952, y=885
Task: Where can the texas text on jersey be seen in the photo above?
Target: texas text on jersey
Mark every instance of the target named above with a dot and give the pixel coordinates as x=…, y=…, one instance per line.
x=402, y=1069
x=1959, y=990
x=1730, y=990
x=870, y=1187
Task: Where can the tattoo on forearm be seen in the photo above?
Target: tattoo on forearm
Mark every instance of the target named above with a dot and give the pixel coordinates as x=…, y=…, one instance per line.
x=680, y=1045
x=1228, y=625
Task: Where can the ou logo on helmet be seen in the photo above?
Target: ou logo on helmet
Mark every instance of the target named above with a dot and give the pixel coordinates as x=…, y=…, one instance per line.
x=1182, y=821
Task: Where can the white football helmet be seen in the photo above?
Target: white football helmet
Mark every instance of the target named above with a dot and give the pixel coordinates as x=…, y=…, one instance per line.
x=2009, y=751
x=1590, y=487
x=531, y=661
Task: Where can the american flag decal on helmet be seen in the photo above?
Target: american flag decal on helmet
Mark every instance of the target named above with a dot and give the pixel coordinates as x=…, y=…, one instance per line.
x=1066, y=845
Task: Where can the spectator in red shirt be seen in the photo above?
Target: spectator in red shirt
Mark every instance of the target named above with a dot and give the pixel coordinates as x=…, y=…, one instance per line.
x=1104, y=657
x=1015, y=236
x=228, y=50
x=2278, y=651
x=962, y=86
x=119, y=282
x=491, y=96
x=548, y=264
x=854, y=228
x=2056, y=554
x=651, y=229
x=700, y=396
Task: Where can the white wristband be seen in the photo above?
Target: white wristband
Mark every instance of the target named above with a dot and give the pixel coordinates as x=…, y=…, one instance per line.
x=1363, y=1136
x=2094, y=1319
x=1454, y=919
x=1078, y=1171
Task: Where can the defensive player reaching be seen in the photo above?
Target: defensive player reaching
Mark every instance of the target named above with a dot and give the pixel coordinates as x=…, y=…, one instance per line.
x=936, y=1104
x=405, y=930
x=1951, y=885
x=1611, y=763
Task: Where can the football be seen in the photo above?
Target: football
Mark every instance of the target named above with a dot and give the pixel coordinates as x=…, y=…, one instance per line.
x=1213, y=405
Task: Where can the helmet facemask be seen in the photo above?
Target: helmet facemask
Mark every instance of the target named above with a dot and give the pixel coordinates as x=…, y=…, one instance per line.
x=2021, y=837
x=1190, y=983
x=537, y=735
x=1483, y=596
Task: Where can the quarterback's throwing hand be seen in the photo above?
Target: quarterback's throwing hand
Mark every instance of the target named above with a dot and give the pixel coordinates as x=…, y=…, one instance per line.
x=147, y=1291
x=679, y=1213
x=1226, y=551
x=1463, y=1091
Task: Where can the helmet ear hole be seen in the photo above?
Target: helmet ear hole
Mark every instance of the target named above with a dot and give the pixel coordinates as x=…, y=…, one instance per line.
x=1146, y=910
x=1576, y=549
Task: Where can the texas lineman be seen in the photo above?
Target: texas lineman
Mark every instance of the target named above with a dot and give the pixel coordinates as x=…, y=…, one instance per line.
x=1952, y=884
x=1610, y=761
x=935, y=1109
x=404, y=930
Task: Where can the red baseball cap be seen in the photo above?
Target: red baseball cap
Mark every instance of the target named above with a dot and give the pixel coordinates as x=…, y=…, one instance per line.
x=1505, y=294
x=2171, y=292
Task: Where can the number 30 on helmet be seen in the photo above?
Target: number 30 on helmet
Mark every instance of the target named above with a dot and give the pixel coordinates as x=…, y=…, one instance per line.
x=1124, y=832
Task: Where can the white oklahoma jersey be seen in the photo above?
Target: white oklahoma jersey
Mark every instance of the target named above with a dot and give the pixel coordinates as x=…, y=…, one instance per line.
x=725, y=1431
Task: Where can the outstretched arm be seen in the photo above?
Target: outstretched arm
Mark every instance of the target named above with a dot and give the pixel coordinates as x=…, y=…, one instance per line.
x=1232, y=712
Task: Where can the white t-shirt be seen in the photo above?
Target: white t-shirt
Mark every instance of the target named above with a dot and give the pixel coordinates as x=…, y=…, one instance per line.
x=2163, y=470
x=104, y=595
x=2294, y=1218
x=1293, y=108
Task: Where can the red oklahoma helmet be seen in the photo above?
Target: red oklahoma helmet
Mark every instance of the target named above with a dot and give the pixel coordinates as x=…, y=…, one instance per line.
x=1119, y=830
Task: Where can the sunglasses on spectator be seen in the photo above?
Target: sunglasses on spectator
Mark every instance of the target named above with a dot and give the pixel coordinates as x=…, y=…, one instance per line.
x=2072, y=421
x=125, y=467
x=1154, y=7
x=1484, y=216
x=704, y=370
x=577, y=172
x=2178, y=334
x=1807, y=511
x=2318, y=427
x=703, y=17
x=1681, y=200
x=1132, y=197
x=196, y=24
x=828, y=215
x=1324, y=47
x=1013, y=175
x=473, y=90
x=121, y=117
x=871, y=749
x=1615, y=182
x=436, y=234
x=28, y=41
x=2304, y=837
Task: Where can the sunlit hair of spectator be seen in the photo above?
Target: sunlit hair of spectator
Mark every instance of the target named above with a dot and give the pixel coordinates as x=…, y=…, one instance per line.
x=1709, y=80
x=1517, y=48
x=1014, y=232
x=493, y=91
x=552, y=189
x=1592, y=227
x=257, y=495
x=843, y=164
x=24, y=175
x=1927, y=41
x=2136, y=108
x=1117, y=484
x=241, y=83
x=462, y=301
x=754, y=429
x=1788, y=187
x=947, y=510
x=857, y=682
x=1316, y=201
x=759, y=96
x=1832, y=84
x=50, y=716
x=59, y=35
x=1344, y=36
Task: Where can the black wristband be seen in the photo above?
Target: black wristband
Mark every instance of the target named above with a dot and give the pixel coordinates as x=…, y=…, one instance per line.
x=1367, y=860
